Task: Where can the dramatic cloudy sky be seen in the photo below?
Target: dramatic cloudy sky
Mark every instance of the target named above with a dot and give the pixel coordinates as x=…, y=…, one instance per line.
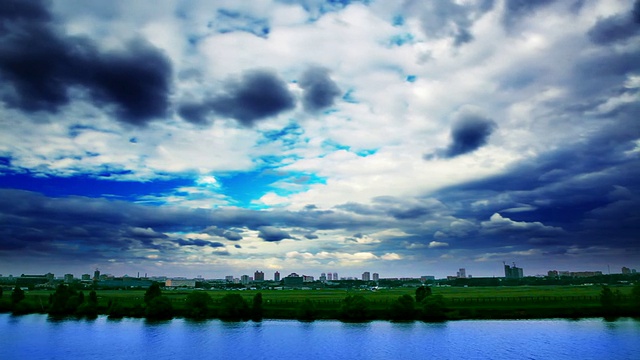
x=407, y=138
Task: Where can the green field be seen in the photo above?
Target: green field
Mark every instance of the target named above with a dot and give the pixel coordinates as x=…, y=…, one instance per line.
x=460, y=302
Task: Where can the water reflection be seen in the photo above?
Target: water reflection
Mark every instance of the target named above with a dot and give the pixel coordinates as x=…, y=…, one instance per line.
x=38, y=337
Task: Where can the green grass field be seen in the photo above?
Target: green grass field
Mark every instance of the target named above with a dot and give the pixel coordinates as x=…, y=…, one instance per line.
x=451, y=294
x=461, y=302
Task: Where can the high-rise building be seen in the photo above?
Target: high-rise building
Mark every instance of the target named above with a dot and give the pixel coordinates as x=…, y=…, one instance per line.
x=86, y=277
x=323, y=277
x=513, y=272
x=462, y=273
x=329, y=276
x=228, y=278
x=293, y=280
x=626, y=270
x=258, y=276
x=96, y=275
x=68, y=278
x=276, y=276
x=335, y=276
x=366, y=276
x=244, y=279
x=376, y=277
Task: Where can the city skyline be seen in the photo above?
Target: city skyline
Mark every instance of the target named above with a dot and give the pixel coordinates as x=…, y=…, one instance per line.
x=407, y=138
x=509, y=271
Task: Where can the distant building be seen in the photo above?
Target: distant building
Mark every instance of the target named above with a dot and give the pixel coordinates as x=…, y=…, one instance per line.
x=626, y=270
x=122, y=283
x=323, y=277
x=33, y=280
x=293, y=280
x=329, y=276
x=586, y=273
x=462, y=273
x=228, y=278
x=276, y=276
x=425, y=278
x=335, y=276
x=68, y=278
x=307, y=278
x=376, y=276
x=86, y=277
x=513, y=272
x=96, y=275
x=180, y=283
x=366, y=276
x=579, y=274
x=258, y=276
x=244, y=279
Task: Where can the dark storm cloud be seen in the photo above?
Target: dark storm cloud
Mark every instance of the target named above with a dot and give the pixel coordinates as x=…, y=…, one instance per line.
x=39, y=65
x=320, y=90
x=361, y=209
x=230, y=21
x=258, y=94
x=617, y=27
x=587, y=189
x=102, y=228
x=227, y=234
x=13, y=10
x=515, y=10
x=317, y=8
x=199, y=243
x=440, y=19
x=469, y=132
x=270, y=233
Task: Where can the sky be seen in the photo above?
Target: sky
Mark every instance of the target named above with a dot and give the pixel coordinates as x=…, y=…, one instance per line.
x=406, y=138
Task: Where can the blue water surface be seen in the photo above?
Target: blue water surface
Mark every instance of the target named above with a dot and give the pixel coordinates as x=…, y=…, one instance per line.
x=39, y=337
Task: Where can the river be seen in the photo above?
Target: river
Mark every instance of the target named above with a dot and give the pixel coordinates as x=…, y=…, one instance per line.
x=36, y=337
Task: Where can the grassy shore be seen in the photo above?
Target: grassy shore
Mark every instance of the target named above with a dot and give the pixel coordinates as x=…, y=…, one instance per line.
x=523, y=302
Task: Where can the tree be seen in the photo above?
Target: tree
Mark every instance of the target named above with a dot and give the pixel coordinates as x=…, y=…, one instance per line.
x=635, y=294
x=198, y=305
x=608, y=301
x=256, y=309
x=354, y=308
x=90, y=307
x=152, y=292
x=159, y=308
x=17, y=295
x=403, y=308
x=93, y=298
x=233, y=307
x=307, y=311
x=116, y=310
x=422, y=292
x=65, y=301
x=433, y=308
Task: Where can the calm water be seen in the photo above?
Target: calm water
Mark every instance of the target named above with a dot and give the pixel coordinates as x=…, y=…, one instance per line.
x=38, y=337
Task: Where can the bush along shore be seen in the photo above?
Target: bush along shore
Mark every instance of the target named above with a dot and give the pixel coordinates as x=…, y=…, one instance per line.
x=422, y=305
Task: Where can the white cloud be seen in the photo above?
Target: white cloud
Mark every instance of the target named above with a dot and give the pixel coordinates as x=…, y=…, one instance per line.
x=437, y=244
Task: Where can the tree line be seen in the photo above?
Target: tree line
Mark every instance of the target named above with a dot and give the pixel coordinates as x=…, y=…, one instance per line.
x=425, y=306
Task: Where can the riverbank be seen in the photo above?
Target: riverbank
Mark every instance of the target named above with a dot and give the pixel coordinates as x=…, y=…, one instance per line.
x=306, y=305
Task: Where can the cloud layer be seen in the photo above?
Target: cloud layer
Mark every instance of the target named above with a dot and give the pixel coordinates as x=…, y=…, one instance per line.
x=406, y=138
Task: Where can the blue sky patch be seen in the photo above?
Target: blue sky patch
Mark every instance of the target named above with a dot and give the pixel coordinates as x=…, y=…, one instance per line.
x=90, y=186
x=246, y=187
